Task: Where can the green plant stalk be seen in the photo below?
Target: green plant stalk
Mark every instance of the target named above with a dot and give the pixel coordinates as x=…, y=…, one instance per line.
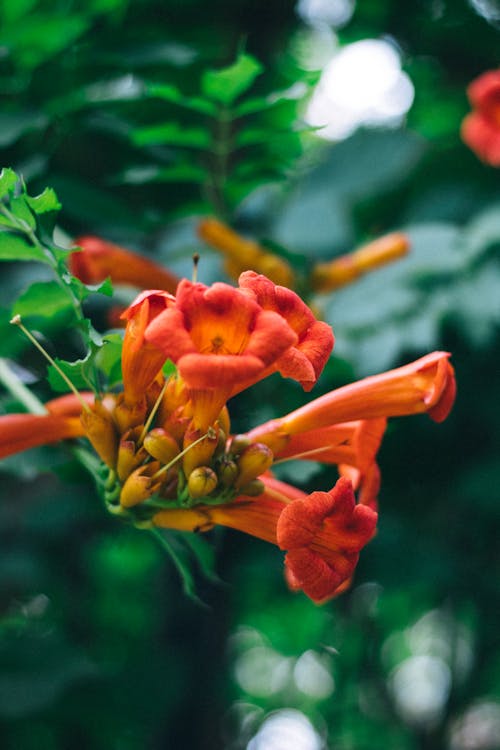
x=17, y=389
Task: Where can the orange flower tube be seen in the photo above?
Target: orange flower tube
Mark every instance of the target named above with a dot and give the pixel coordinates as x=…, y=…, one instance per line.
x=19, y=432
x=99, y=259
x=242, y=253
x=141, y=360
x=426, y=385
x=344, y=270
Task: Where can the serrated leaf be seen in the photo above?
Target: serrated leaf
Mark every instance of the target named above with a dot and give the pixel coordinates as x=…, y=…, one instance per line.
x=44, y=299
x=16, y=247
x=172, y=134
x=226, y=84
x=45, y=202
x=8, y=180
x=172, y=94
x=77, y=372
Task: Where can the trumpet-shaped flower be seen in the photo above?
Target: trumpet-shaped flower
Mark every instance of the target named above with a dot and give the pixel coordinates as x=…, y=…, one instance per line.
x=168, y=458
x=426, y=385
x=322, y=533
x=98, y=260
x=219, y=338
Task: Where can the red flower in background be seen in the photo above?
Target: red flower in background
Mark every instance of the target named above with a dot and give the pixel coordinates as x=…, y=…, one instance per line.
x=481, y=128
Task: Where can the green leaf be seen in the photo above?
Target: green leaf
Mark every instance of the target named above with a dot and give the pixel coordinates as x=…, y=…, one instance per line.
x=172, y=94
x=226, y=84
x=8, y=180
x=15, y=247
x=172, y=134
x=181, y=173
x=109, y=358
x=20, y=209
x=172, y=544
x=43, y=299
x=45, y=202
x=76, y=371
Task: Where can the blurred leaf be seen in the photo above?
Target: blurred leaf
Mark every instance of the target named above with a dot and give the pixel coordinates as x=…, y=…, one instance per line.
x=172, y=134
x=13, y=125
x=41, y=35
x=172, y=94
x=8, y=180
x=226, y=84
x=44, y=299
x=46, y=201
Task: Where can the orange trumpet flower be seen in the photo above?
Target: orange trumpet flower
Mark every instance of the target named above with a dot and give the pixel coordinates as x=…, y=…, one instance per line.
x=322, y=533
x=98, y=260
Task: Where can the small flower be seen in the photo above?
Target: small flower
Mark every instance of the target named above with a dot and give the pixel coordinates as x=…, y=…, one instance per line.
x=481, y=128
x=98, y=260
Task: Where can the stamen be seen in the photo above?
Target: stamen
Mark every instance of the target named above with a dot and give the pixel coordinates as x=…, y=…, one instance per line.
x=16, y=321
x=152, y=415
x=196, y=260
x=302, y=455
x=210, y=433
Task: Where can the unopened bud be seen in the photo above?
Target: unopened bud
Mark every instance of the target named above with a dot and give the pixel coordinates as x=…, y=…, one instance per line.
x=140, y=485
x=253, y=488
x=199, y=454
x=101, y=431
x=227, y=471
x=202, y=481
x=129, y=458
x=238, y=444
x=129, y=414
x=253, y=461
x=224, y=420
x=161, y=445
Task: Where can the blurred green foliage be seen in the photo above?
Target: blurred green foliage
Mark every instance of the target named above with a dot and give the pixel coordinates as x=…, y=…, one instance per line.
x=117, y=105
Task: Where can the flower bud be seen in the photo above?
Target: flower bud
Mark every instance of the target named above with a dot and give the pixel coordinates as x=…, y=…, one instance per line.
x=129, y=458
x=101, y=431
x=161, y=445
x=201, y=453
x=202, y=481
x=238, y=444
x=227, y=471
x=253, y=488
x=140, y=485
x=129, y=414
x=253, y=461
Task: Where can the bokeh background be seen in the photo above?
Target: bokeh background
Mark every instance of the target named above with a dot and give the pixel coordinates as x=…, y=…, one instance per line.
x=99, y=647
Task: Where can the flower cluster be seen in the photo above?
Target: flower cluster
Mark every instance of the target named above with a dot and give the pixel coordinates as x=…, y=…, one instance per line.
x=481, y=128
x=165, y=443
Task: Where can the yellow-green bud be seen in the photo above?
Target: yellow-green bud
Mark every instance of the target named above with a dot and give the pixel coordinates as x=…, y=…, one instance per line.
x=161, y=445
x=140, y=485
x=227, y=471
x=253, y=461
x=239, y=443
x=202, y=481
